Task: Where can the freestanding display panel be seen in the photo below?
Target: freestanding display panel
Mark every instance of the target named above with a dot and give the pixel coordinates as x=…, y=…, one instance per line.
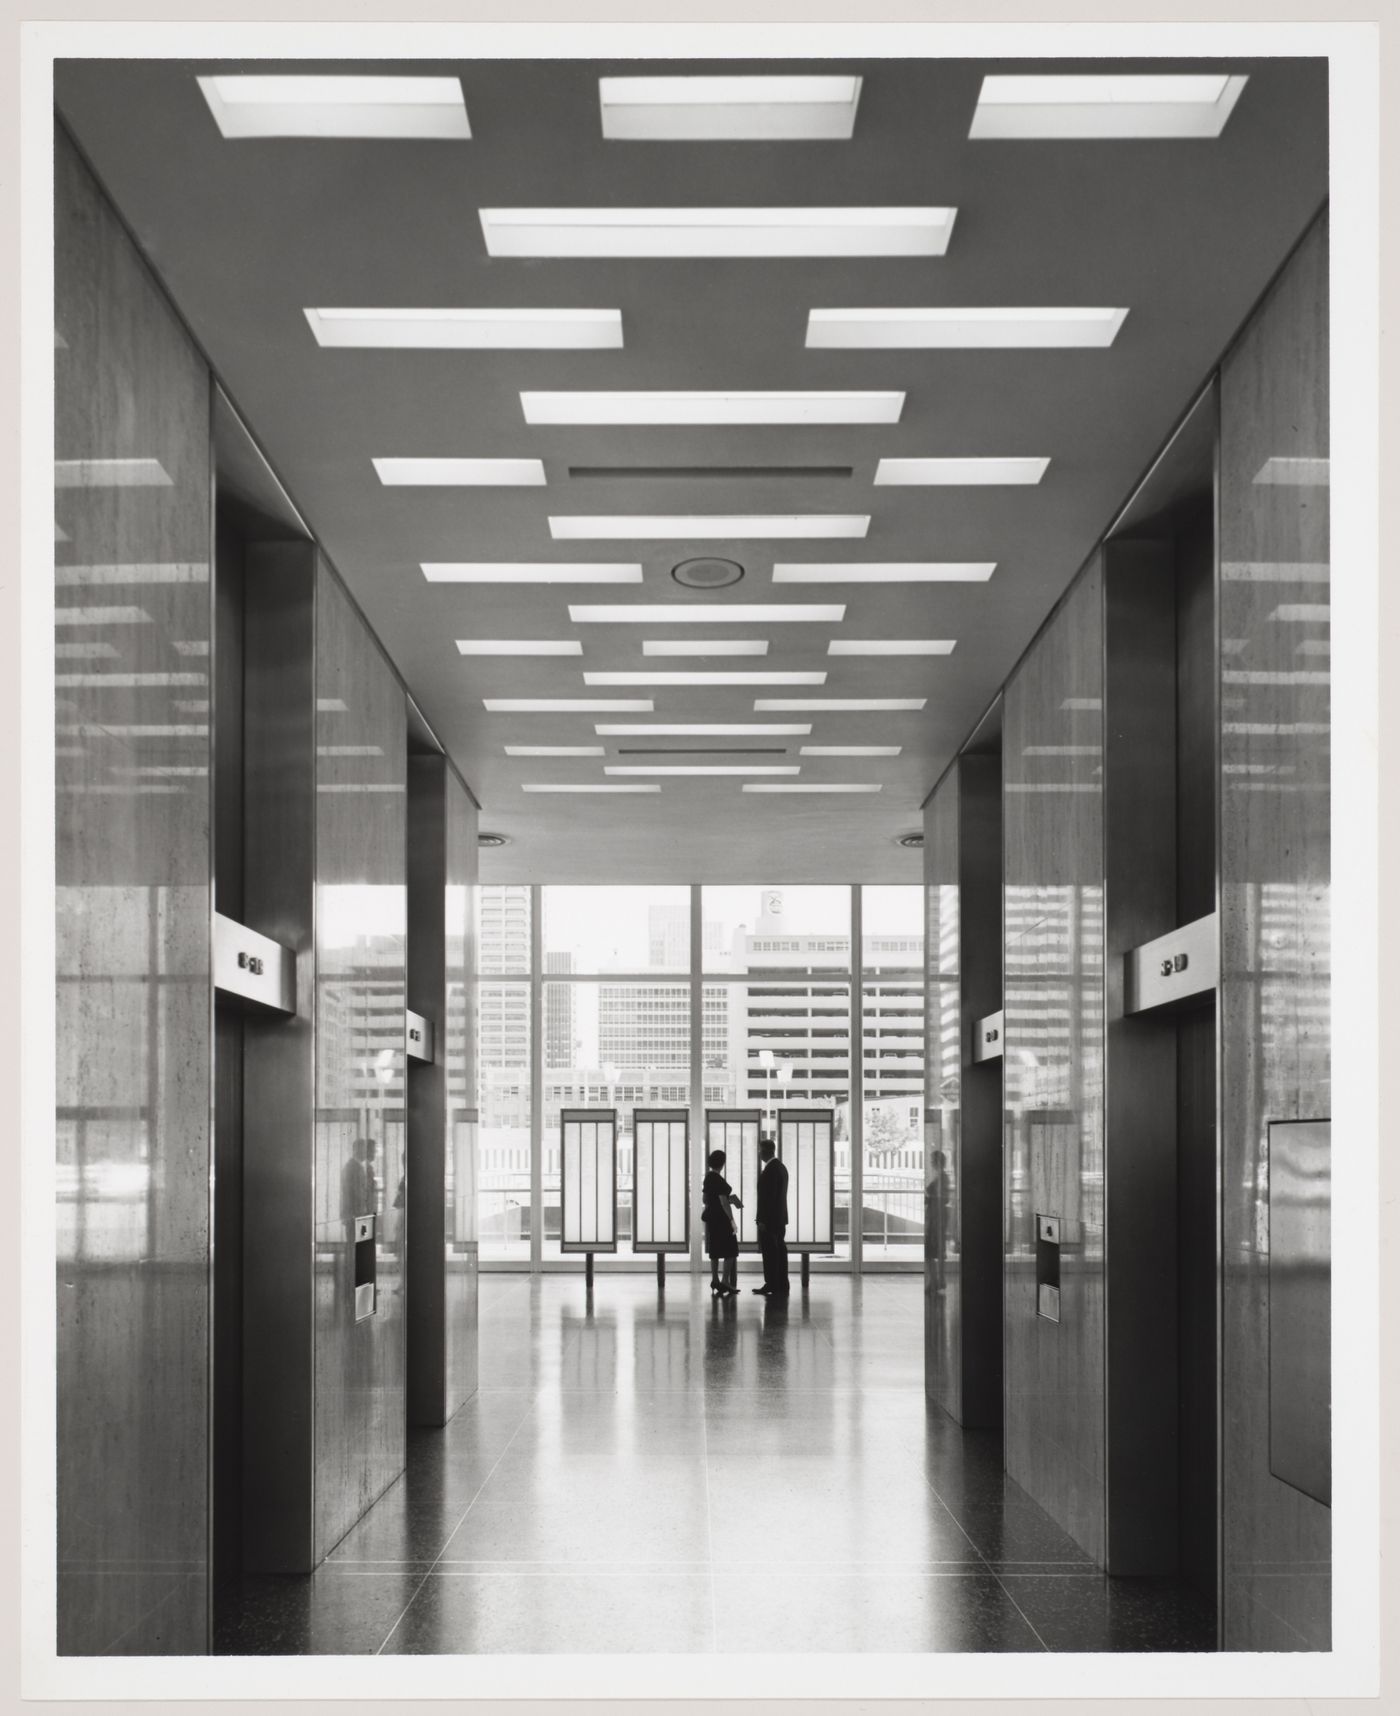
x=736, y=1132
x=588, y=1170
x=806, y=1147
x=661, y=1183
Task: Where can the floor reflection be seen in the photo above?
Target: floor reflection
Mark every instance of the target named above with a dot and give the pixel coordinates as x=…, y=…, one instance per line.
x=632, y=1458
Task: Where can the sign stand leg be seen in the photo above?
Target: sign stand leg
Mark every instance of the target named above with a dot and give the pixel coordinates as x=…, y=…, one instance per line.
x=588, y=1270
x=660, y=1272
x=806, y=1270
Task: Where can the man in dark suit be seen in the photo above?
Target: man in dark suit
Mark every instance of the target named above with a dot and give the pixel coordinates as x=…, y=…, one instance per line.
x=771, y=1216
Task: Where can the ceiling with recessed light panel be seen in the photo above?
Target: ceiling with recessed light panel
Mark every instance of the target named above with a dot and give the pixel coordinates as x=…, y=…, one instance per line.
x=908, y=494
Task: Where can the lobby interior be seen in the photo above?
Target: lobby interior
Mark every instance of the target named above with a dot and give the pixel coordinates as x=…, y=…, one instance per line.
x=606, y=610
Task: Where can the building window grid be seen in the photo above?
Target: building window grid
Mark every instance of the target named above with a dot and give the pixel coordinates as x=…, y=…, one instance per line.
x=860, y=982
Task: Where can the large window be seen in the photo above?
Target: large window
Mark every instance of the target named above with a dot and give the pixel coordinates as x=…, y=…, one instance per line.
x=592, y=930
x=503, y=1140
x=610, y=1045
x=770, y=1046
x=773, y=928
x=606, y=1021
x=892, y=1038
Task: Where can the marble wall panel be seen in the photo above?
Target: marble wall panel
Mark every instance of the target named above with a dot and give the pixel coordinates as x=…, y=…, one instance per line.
x=1054, y=1061
x=133, y=613
x=1274, y=899
x=359, y=1145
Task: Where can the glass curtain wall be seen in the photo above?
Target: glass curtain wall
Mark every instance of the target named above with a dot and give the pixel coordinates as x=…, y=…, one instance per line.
x=600, y=1015
x=892, y=1039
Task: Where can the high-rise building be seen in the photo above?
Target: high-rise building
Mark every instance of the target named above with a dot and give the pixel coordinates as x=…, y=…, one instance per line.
x=559, y=1002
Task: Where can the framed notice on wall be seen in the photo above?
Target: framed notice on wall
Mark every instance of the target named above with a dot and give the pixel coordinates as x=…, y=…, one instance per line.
x=661, y=1180
x=588, y=1178
x=807, y=1149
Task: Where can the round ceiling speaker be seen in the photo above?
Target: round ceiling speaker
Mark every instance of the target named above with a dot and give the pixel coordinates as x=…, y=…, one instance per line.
x=707, y=573
x=914, y=840
x=488, y=839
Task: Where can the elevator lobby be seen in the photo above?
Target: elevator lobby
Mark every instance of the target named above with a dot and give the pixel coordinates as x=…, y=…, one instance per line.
x=613, y=615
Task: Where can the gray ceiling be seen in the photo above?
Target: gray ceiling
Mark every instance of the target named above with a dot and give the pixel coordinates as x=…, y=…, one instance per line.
x=1186, y=234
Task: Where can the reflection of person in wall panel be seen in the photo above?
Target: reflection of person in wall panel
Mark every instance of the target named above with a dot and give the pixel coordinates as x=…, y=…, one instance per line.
x=359, y=1190
x=771, y=1219
x=936, y=1220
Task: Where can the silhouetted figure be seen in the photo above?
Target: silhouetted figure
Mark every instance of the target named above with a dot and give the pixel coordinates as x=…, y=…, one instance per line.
x=721, y=1239
x=771, y=1218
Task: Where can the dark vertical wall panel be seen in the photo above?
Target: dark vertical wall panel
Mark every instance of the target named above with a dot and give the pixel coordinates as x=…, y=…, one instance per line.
x=427, y=1091
x=442, y=1243
x=983, y=1099
x=1140, y=1142
x=1275, y=932
x=279, y=869
x=1053, y=833
x=943, y=1275
x=1197, y=1107
x=134, y=1000
x=227, y=714
x=360, y=807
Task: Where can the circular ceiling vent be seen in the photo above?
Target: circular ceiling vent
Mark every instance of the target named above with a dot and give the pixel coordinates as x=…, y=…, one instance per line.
x=707, y=573
x=914, y=839
x=488, y=839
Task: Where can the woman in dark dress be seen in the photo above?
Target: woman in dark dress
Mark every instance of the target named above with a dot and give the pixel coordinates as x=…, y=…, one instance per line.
x=721, y=1241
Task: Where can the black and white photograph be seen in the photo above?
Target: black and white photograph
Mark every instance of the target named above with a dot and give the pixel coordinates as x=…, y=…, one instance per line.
x=693, y=805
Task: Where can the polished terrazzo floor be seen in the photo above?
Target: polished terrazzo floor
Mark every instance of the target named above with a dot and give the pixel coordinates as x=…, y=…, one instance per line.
x=682, y=1475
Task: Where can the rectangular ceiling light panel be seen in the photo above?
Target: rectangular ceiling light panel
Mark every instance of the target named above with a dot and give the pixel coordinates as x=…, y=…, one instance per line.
x=460, y=473
x=702, y=769
x=339, y=106
x=531, y=572
x=909, y=329
x=845, y=705
x=590, y=786
x=712, y=409
x=728, y=109
x=519, y=646
x=721, y=527
x=958, y=473
x=698, y=678
x=504, y=329
x=568, y=705
x=890, y=646
x=707, y=613
x=556, y=750
x=705, y=646
x=687, y=232
x=703, y=729
x=1109, y=104
x=851, y=750
x=884, y=572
